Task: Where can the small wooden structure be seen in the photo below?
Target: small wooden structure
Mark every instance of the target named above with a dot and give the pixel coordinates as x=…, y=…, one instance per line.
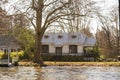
x=8, y=44
x=6, y=61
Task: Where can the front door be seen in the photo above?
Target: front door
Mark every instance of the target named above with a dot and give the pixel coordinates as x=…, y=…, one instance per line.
x=58, y=50
x=72, y=49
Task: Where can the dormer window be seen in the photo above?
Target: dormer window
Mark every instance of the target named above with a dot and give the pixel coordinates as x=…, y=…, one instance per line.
x=46, y=36
x=60, y=36
x=73, y=36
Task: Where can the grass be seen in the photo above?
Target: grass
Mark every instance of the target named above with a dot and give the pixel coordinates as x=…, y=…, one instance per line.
x=27, y=63
x=82, y=63
x=51, y=63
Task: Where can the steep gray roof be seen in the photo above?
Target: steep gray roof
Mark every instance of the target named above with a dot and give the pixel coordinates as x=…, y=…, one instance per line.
x=48, y=39
x=59, y=39
x=8, y=40
x=89, y=41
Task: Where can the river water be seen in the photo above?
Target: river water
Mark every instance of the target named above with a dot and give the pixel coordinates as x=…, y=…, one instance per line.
x=59, y=73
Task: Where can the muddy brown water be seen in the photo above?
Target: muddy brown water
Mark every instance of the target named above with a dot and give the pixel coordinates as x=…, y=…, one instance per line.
x=60, y=73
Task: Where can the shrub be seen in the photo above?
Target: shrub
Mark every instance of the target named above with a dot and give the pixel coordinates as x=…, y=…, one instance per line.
x=1, y=54
x=19, y=54
x=62, y=58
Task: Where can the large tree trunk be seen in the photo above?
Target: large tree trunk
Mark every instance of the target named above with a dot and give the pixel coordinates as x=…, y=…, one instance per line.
x=38, y=50
x=38, y=30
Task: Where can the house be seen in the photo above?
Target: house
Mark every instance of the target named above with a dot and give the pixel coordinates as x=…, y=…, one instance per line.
x=8, y=42
x=66, y=43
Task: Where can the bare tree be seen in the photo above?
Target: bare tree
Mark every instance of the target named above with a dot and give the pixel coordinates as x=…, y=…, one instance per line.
x=47, y=12
x=109, y=39
x=42, y=14
x=116, y=28
x=5, y=21
x=78, y=23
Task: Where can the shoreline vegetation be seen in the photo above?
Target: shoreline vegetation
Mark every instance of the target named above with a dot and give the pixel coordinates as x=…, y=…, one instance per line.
x=51, y=63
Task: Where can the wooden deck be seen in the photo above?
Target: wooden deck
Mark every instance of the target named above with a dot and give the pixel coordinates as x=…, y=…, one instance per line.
x=4, y=62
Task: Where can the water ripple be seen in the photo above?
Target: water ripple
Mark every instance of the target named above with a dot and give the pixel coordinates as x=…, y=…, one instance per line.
x=60, y=73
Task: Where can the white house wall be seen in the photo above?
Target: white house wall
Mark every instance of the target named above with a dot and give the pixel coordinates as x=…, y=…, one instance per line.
x=51, y=48
x=80, y=40
x=65, y=49
x=80, y=49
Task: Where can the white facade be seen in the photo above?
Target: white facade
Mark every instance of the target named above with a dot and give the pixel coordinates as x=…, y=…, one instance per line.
x=65, y=49
x=80, y=49
x=51, y=48
x=66, y=43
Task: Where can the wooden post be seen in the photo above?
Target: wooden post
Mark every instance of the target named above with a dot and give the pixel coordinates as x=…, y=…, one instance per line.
x=8, y=52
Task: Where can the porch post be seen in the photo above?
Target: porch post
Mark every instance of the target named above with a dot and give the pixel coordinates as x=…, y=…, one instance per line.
x=8, y=52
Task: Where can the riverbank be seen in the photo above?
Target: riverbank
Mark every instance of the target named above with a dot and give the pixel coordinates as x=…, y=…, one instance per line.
x=50, y=63
x=82, y=63
x=27, y=63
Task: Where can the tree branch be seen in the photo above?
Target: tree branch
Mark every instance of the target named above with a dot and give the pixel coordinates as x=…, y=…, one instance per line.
x=52, y=12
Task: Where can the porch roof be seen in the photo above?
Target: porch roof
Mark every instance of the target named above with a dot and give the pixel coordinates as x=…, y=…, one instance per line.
x=8, y=40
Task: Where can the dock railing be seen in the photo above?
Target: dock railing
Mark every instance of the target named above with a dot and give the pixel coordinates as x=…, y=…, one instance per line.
x=3, y=61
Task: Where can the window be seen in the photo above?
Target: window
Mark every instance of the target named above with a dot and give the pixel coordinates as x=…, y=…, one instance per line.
x=73, y=36
x=12, y=50
x=60, y=36
x=73, y=49
x=18, y=49
x=58, y=50
x=46, y=36
x=5, y=51
x=45, y=48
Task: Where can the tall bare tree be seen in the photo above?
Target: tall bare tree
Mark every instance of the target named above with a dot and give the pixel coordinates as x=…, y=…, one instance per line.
x=108, y=38
x=80, y=23
x=42, y=14
x=46, y=12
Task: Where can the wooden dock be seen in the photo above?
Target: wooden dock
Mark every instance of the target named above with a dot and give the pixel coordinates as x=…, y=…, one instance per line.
x=4, y=62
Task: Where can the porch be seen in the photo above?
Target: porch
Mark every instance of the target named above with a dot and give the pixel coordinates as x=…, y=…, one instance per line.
x=4, y=62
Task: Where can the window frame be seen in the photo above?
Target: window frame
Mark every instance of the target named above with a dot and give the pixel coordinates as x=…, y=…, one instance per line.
x=73, y=49
x=45, y=49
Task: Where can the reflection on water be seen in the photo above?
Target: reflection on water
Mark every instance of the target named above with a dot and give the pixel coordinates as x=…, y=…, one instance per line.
x=60, y=73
